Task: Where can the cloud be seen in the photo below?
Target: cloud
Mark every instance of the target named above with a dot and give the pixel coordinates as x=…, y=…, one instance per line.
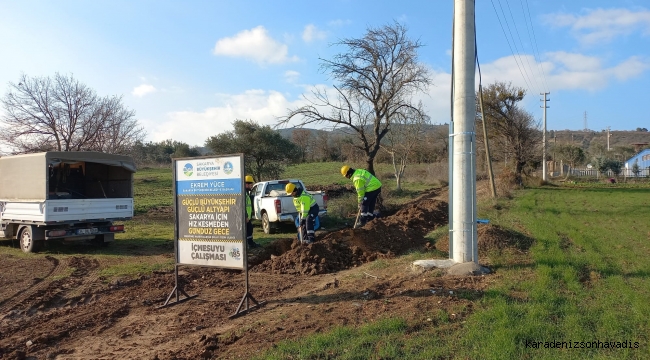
x=291, y=76
x=256, y=45
x=562, y=71
x=574, y=62
x=312, y=33
x=602, y=25
x=630, y=68
x=436, y=99
x=194, y=127
x=143, y=90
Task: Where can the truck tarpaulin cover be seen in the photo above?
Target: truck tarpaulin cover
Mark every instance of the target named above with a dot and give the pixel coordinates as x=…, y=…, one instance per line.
x=25, y=177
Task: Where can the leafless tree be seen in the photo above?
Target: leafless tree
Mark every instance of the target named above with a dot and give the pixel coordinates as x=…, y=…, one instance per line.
x=433, y=145
x=406, y=133
x=302, y=139
x=62, y=114
x=321, y=146
x=377, y=77
x=513, y=131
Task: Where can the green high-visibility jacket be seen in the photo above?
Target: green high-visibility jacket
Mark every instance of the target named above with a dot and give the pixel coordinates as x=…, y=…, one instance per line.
x=364, y=182
x=303, y=203
x=249, y=206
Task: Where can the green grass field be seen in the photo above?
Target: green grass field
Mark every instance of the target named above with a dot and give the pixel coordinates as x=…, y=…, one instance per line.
x=582, y=286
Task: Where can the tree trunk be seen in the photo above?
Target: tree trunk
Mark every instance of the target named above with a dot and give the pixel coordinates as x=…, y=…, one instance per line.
x=370, y=165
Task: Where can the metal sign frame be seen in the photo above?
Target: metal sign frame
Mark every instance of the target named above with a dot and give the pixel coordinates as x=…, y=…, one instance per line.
x=209, y=213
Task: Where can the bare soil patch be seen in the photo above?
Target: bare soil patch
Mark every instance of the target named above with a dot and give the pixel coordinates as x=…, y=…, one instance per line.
x=161, y=213
x=307, y=289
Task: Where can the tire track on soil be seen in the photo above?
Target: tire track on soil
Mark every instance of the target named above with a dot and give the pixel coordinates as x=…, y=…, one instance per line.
x=14, y=301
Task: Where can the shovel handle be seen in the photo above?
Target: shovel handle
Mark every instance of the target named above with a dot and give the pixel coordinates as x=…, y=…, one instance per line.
x=356, y=221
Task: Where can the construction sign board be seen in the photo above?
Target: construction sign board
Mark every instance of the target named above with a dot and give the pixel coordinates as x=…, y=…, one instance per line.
x=210, y=204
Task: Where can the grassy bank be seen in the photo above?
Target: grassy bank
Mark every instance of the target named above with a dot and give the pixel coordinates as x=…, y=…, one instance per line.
x=583, y=286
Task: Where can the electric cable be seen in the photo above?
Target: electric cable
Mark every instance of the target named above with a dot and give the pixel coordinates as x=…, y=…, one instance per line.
x=536, y=48
x=508, y=40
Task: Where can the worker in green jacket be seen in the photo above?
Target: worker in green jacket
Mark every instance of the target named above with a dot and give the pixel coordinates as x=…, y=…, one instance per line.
x=248, y=181
x=307, y=211
x=368, y=188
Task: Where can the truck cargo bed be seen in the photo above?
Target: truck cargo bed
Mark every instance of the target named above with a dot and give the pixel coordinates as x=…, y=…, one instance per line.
x=62, y=210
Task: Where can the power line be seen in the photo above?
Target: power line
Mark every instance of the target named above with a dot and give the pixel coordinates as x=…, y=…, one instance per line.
x=515, y=54
x=539, y=62
x=504, y=34
x=514, y=23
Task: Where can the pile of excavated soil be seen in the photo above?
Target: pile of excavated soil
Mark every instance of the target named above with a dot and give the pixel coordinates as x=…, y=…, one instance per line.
x=343, y=249
x=493, y=237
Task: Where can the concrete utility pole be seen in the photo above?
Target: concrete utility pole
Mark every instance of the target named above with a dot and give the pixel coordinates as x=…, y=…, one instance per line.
x=544, y=136
x=608, y=135
x=463, y=226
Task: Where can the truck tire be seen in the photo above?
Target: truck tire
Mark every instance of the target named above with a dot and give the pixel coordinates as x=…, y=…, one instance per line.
x=266, y=224
x=27, y=242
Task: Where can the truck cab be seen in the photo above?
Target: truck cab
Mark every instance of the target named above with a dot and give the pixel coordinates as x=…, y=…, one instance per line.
x=273, y=206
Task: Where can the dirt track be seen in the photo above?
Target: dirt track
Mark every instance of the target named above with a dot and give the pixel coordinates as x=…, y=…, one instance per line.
x=48, y=312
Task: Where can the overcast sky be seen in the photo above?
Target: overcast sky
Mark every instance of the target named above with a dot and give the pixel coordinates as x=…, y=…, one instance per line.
x=190, y=68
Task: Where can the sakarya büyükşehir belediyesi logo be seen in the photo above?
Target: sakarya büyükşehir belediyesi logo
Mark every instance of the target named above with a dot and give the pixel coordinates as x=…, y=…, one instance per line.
x=227, y=168
x=188, y=169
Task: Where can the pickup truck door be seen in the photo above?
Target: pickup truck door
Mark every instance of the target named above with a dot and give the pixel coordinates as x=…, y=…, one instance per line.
x=257, y=200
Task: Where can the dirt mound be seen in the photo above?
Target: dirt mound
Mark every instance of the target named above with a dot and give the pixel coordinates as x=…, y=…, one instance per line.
x=347, y=248
x=493, y=237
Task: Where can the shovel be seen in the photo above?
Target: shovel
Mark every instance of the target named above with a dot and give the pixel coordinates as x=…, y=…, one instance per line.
x=300, y=235
x=356, y=221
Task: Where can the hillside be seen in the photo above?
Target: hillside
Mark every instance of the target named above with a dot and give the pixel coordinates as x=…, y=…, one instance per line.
x=587, y=138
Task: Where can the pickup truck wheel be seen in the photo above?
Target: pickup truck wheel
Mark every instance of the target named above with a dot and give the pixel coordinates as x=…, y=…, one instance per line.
x=266, y=224
x=27, y=242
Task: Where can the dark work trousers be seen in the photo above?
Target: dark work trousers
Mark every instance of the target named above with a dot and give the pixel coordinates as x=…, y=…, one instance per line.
x=310, y=223
x=249, y=233
x=368, y=205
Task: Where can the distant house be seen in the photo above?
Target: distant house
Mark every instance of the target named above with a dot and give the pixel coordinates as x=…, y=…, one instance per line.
x=642, y=159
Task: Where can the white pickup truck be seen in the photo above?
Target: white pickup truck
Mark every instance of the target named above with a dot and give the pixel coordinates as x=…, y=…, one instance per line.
x=273, y=206
x=65, y=196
